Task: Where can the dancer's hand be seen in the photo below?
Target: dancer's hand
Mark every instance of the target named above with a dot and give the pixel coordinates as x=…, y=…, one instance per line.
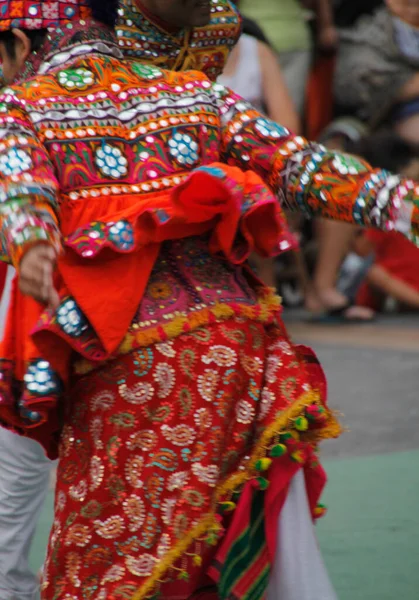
x=36, y=275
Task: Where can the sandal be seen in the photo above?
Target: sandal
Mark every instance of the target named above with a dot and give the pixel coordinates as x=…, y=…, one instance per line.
x=345, y=314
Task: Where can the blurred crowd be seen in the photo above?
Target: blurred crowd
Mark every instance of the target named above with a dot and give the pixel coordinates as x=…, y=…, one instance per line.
x=345, y=73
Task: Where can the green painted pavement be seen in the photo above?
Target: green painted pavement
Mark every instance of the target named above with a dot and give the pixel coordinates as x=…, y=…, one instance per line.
x=370, y=536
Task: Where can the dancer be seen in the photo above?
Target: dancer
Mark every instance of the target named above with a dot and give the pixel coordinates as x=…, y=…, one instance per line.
x=187, y=418
x=26, y=475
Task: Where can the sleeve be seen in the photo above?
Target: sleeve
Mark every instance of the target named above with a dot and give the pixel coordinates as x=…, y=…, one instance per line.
x=28, y=186
x=310, y=179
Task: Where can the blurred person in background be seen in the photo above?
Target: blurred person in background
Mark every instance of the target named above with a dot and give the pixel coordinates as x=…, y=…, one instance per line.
x=285, y=24
x=325, y=302
x=347, y=12
x=253, y=72
x=377, y=82
x=377, y=69
x=394, y=268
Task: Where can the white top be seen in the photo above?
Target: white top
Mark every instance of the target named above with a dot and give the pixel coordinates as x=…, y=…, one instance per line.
x=247, y=78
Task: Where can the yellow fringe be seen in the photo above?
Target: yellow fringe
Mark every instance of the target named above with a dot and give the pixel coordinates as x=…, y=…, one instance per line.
x=262, y=312
x=281, y=424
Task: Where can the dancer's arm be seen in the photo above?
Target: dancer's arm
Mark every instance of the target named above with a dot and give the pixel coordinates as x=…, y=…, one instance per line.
x=311, y=179
x=28, y=187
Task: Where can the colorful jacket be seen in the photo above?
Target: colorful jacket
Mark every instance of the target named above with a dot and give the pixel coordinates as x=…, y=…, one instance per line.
x=156, y=185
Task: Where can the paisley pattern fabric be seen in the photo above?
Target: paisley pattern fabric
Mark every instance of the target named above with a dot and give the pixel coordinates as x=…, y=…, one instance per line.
x=156, y=447
x=205, y=49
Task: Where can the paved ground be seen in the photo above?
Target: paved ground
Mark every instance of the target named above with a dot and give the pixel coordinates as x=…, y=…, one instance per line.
x=370, y=536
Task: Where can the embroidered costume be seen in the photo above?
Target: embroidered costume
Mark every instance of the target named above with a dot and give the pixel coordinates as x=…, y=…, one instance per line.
x=166, y=380
x=141, y=37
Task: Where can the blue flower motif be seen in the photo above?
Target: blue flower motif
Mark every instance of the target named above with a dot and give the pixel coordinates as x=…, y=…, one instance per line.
x=111, y=161
x=184, y=149
x=41, y=380
x=14, y=162
x=121, y=234
x=71, y=319
x=269, y=129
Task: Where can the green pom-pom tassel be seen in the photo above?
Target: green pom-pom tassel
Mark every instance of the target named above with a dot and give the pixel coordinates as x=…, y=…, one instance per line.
x=263, y=464
x=320, y=510
x=301, y=424
x=285, y=437
x=227, y=506
x=298, y=456
x=197, y=560
x=316, y=413
x=278, y=450
x=263, y=483
x=212, y=539
x=183, y=576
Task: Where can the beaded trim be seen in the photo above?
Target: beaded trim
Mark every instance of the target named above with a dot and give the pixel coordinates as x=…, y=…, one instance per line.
x=264, y=312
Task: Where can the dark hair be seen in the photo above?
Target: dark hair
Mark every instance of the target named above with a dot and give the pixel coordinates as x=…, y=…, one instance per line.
x=385, y=150
x=104, y=11
x=36, y=37
x=251, y=28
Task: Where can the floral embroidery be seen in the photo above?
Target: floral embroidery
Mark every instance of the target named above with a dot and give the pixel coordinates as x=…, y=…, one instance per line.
x=121, y=234
x=160, y=290
x=111, y=161
x=146, y=71
x=89, y=241
x=269, y=129
x=15, y=161
x=40, y=379
x=75, y=79
x=184, y=149
x=348, y=165
x=71, y=319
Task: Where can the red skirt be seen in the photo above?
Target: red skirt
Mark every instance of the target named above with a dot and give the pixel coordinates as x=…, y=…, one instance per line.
x=170, y=453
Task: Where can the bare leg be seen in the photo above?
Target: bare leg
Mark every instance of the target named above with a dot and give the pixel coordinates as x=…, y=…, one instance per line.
x=391, y=286
x=334, y=241
x=409, y=129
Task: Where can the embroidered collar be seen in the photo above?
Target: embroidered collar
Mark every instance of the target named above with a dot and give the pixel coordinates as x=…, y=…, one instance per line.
x=144, y=38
